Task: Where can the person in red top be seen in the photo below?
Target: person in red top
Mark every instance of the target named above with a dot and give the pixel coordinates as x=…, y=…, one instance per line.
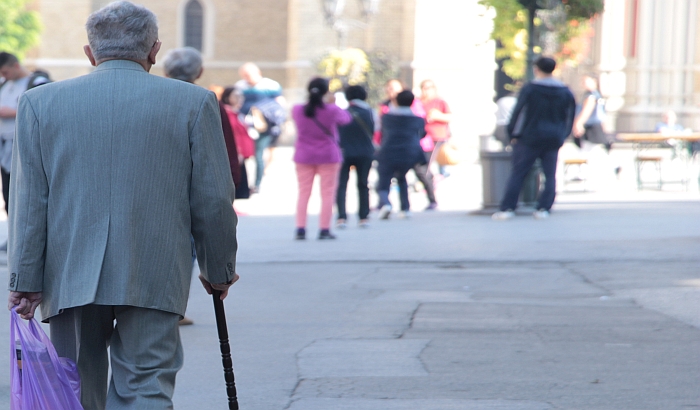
x=244, y=144
x=437, y=118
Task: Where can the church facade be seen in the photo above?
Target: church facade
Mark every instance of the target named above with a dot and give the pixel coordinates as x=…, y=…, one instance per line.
x=444, y=40
x=646, y=52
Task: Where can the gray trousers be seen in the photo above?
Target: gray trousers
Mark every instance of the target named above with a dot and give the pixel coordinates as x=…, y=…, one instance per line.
x=144, y=348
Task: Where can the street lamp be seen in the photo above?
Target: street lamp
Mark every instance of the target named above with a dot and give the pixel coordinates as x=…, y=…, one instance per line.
x=532, y=7
x=369, y=8
x=333, y=12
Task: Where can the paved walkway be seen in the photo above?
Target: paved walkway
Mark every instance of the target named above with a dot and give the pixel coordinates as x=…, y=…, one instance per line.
x=594, y=308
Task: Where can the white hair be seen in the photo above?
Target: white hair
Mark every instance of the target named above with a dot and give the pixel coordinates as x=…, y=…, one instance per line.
x=122, y=30
x=183, y=64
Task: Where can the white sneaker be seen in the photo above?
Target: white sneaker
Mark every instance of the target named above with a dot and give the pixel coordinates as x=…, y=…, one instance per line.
x=385, y=211
x=541, y=214
x=503, y=215
x=405, y=215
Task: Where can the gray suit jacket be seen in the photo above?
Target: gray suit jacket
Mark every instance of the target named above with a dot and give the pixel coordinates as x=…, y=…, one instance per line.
x=111, y=173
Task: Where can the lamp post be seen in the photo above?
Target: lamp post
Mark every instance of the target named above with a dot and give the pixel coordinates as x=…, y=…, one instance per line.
x=532, y=6
x=333, y=12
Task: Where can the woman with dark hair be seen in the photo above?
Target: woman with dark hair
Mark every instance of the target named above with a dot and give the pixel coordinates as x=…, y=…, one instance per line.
x=358, y=151
x=317, y=152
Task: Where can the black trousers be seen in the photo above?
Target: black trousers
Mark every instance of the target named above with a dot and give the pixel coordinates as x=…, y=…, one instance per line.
x=425, y=177
x=387, y=171
x=362, y=166
x=523, y=159
x=5, y=188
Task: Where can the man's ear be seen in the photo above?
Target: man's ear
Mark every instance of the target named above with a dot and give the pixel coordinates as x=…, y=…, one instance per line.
x=154, y=50
x=201, y=71
x=88, y=53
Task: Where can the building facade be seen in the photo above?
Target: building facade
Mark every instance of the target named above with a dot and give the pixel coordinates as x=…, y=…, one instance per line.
x=648, y=55
x=444, y=40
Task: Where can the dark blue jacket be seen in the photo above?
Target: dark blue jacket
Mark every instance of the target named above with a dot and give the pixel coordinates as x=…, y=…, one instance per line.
x=544, y=114
x=356, y=138
x=401, y=136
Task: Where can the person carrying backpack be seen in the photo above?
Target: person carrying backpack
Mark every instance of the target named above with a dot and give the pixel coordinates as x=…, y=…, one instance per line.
x=17, y=80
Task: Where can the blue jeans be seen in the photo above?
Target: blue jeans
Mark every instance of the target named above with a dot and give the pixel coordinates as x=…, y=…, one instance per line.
x=524, y=158
x=260, y=145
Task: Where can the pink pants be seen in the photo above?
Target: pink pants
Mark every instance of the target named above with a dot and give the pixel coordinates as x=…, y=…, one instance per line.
x=329, y=184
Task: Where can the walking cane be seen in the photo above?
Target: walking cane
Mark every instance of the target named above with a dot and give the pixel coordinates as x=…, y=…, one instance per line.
x=225, y=350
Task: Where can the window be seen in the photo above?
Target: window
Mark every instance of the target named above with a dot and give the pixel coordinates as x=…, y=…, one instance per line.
x=194, y=25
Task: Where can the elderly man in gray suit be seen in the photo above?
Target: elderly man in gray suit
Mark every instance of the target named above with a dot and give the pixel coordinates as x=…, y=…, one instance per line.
x=112, y=172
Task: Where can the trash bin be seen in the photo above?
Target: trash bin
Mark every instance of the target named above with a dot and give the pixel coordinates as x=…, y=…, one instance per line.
x=495, y=171
x=496, y=167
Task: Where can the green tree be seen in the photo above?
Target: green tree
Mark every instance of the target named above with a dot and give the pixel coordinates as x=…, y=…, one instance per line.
x=510, y=30
x=352, y=66
x=19, y=27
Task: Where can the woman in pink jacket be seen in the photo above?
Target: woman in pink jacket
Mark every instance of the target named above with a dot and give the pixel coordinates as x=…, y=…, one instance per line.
x=317, y=152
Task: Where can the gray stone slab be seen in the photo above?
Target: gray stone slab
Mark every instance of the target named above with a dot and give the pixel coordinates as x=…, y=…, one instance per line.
x=362, y=358
x=424, y=296
x=437, y=404
x=680, y=303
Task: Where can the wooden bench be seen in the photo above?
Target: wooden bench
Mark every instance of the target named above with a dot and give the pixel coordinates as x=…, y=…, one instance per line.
x=578, y=163
x=643, y=160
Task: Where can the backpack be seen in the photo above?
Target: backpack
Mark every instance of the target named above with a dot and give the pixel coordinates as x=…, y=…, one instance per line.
x=37, y=78
x=274, y=114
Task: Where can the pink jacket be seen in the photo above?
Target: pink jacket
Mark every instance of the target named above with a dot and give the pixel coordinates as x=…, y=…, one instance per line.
x=318, y=143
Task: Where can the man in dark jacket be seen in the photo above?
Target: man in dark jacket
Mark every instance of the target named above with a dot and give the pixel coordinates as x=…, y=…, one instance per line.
x=358, y=152
x=400, y=151
x=541, y=121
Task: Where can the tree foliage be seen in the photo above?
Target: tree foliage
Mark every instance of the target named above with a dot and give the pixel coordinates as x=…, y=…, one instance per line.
x=19, y=27
x=352, y=66
x=510, y=30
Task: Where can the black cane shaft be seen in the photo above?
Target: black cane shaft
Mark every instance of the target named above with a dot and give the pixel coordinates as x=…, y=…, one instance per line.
x=225, y=351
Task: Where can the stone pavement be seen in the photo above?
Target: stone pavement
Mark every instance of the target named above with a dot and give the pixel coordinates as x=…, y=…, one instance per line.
x=594, y=308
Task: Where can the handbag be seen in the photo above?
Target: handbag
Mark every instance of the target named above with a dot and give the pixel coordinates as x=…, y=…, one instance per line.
x=39, y=379
x=427, y=143
x=447, y=155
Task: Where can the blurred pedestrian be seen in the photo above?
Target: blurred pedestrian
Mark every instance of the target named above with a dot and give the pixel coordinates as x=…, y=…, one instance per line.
x=358, y=152
x=112, y=174
x=504, y=110
x=16, y=80
x=185, y=64
x=541, y=121
x=669, y=123
x=402, y=131
x=317, y=152
x=255, y=89
x=245, y=145
x=437, y=120
x=392, y=89
x=588, y=124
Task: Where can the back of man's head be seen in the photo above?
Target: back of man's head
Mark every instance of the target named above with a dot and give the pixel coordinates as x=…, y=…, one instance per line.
x=405, y=98
x=250, y=72
x=122, y=30
x=546, y=65
x=183, y=64
x=355, y=92
x=7, y=59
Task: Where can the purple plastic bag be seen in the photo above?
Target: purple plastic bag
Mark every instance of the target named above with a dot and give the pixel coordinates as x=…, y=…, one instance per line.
x=39, y=379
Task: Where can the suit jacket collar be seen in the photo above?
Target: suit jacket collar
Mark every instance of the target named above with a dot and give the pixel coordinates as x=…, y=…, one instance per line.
x=120, y=65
